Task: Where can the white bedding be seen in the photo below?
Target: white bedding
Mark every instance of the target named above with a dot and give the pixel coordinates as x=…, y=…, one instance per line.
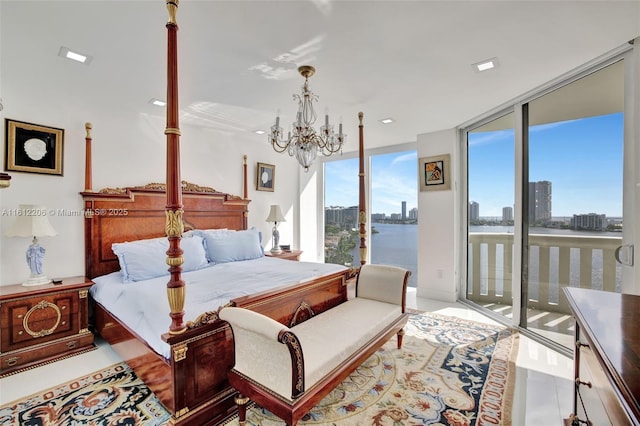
x=144, y=308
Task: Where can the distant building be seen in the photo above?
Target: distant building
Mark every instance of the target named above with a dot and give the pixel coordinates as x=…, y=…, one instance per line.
x=539, y=202
x=395, y=216
x=413, y=214
x=474, y=211
x=590, y=222
x=346, y=217
x=507, y=214
x=375, y=217
x=404, y=210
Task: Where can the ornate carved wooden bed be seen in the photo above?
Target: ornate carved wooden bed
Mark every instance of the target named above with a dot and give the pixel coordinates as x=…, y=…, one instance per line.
x=192, y=383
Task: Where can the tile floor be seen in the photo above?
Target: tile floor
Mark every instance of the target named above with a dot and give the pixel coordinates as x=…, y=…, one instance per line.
x=543, y=395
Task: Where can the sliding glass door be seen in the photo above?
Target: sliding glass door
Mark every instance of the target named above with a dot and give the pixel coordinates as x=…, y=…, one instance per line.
x=563, y=160
x=574, y=218
x=490, y=214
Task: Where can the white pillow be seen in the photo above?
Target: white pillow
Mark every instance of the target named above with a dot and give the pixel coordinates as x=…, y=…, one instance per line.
x=146, y=259
x=234, y=246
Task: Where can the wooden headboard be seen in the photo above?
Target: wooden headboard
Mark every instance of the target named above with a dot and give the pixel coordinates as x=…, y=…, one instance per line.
x=129, y=214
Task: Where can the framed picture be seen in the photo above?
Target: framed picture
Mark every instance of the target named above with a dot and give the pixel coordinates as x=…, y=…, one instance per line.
x=434, y=173
x=33, y=148
x=265, y=177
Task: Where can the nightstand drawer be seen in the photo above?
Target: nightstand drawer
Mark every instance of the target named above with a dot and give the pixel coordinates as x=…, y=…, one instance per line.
x=40, y=354
x=39, y=319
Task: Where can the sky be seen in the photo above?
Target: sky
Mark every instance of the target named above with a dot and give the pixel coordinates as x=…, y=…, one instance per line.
x=581, y=158
x=394, y=179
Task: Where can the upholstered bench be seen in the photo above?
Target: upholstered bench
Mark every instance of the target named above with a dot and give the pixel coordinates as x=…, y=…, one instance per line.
x=289, y=370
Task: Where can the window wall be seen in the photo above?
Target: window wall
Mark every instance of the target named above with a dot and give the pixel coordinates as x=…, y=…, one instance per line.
x=392, y=233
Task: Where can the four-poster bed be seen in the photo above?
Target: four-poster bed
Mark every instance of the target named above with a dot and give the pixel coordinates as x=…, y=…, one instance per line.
x=190, y=379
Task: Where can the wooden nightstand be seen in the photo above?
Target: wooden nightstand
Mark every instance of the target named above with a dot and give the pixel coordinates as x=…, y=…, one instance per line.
x=289, y=255
x=43, y=323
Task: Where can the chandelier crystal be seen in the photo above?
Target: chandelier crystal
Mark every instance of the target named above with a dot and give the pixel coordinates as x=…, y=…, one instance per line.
x=303, y=141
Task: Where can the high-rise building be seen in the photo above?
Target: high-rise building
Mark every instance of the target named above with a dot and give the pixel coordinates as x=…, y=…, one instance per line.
x=404, y=210
x=474, y=211
x=539, y=201
x=413, y=214
x=507, y=214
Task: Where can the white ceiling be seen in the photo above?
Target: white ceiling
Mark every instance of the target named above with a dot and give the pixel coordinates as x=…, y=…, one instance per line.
x=409, y=60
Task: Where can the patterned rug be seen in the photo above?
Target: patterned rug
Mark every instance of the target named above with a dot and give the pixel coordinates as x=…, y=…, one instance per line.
x=449, y=372
x=113, y=396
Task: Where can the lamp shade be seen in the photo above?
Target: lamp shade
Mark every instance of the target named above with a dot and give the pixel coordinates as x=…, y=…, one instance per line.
x=275, y=214
x=31, y=222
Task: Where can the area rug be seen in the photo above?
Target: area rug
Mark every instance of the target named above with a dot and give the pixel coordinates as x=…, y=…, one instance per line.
x=113, y=396
x=450, y=371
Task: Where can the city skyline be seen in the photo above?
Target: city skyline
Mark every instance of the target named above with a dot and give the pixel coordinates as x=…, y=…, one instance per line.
x=582, y=157
x=394, y=179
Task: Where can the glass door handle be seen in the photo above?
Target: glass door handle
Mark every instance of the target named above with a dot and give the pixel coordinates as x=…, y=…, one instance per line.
x=624, y=255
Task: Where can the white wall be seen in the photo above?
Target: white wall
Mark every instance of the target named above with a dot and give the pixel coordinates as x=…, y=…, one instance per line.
x=128, y=150
x=438, y=229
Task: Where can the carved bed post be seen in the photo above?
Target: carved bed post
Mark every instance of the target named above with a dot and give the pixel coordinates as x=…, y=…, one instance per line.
x=87, y=159
x=174, y=225
x=245, y=193
x=362, y=216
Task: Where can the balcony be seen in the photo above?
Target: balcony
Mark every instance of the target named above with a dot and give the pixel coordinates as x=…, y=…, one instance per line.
x=555, y=261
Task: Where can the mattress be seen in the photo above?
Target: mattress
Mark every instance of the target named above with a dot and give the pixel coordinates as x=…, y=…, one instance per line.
x=144, y=308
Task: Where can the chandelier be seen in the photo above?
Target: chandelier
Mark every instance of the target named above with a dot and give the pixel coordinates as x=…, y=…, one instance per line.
x=303, y=141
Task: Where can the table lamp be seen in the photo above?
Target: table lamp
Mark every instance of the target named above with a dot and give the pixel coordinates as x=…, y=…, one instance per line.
x=33, y=222
x=275, y=216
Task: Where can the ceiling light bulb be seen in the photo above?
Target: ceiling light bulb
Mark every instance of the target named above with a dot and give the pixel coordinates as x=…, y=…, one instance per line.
x=76, y=56
x=485, y=66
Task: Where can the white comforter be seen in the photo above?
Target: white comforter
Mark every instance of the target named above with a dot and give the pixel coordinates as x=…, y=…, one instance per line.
x=144, y=308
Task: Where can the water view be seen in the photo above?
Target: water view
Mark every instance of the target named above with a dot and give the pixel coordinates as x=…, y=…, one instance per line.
x=396, y=244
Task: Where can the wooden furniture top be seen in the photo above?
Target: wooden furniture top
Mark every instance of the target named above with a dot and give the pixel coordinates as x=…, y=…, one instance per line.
x=612, y=321
x=286, y=254
x=17, y=290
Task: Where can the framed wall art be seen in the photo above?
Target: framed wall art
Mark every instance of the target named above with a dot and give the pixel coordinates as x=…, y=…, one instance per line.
x=265, y=174
x=434, y=173
x=33, y=148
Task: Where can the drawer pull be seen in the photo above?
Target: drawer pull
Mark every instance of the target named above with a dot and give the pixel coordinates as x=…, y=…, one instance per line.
x=20, y=316
x=44, y=332
x=72, y=345
x=12, y=361
x=579, y=344
x=20, y=333
x=63, y=307
x=580, y=382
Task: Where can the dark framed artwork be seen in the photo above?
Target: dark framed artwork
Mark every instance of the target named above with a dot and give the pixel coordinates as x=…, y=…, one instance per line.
x=265, y=177
x=33, y=148
x=434, y=173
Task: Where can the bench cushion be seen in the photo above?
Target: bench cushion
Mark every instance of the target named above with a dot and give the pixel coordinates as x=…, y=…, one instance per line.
x=335, y=335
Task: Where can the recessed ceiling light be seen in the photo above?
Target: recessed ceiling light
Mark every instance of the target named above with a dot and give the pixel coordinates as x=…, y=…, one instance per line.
x=260, y=132
x=485, y=65
x=386, y=120
x=157, y=102
x=74, y=56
